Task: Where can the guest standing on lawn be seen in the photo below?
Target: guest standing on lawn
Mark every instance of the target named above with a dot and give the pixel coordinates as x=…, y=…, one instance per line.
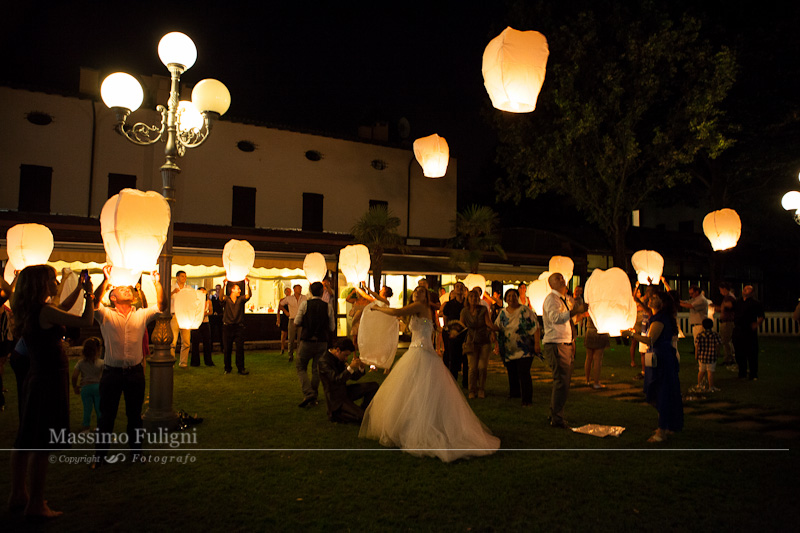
x=518, y=340
x=662, y=386
x=233, y=325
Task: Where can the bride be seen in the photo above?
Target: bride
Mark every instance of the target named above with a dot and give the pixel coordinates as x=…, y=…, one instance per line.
x=419, y=406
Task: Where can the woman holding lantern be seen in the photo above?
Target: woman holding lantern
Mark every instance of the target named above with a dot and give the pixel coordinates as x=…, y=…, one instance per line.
x=419, y=406
x=662, y=385
x=44, y=399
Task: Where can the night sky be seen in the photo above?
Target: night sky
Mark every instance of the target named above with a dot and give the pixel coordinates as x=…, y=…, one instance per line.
x=329, y=67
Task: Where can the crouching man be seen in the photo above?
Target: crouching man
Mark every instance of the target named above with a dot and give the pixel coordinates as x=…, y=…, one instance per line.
x=334, y=372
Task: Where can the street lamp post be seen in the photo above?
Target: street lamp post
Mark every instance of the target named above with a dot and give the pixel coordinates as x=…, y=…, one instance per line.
x=183, y=125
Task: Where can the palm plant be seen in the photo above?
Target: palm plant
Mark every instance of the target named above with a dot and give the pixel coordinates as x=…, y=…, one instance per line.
x=377, y=230
x=476, y=230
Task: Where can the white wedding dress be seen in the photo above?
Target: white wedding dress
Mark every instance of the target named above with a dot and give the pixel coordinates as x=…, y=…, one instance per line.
x=420, y=408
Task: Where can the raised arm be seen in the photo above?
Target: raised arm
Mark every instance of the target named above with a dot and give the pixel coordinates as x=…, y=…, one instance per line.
x=411, y=309
x=51, y=315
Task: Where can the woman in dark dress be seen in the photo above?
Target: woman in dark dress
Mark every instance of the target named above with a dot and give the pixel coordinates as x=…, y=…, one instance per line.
x=44, y=398
x=662, y=386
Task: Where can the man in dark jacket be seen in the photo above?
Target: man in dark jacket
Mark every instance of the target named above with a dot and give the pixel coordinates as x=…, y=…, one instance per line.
x=335, y=373
x=317, y=321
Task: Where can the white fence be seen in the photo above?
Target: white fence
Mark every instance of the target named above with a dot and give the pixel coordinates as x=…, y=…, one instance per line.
x=775, y=324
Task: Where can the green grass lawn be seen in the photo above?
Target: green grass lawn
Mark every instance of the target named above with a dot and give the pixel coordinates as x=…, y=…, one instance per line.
x=263, y=464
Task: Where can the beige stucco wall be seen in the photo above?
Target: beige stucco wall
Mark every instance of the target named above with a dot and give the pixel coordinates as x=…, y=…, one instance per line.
x=278, y=169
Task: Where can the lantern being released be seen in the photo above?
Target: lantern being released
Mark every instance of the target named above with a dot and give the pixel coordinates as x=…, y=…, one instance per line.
x=537, y=292
x=134, y=227
x=611, y=304
x=649, y=265
x=29, y=244
x=354, y=263
x=314, y=266
x=433, y=154
x=514, y=65
x=723, y=228
x=237, y=258
x=190, y=305
x=562, y=265
x=475, y=280
x=377, y=337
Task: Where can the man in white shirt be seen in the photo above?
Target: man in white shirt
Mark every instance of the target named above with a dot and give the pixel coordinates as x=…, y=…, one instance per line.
x=558, y=346
x=123, y=329
x=178, y=284
x=293, y=302
x=697, y=304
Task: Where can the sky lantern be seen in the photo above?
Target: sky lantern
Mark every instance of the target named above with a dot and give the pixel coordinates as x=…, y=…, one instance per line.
x=315, y=267
x=377, y=337
x=562, y=265
x=649, y=266
x=69, y=280
x=8, y=273
x=791, y=202
x=433, y=154
x=723, y=228
x=28, y=244
x=190, y=305
x=134, y=227
x=611, y=304
x=537, y=292
x=238, y=258
x=514, y=65
x=475, y=280
x=354, y=263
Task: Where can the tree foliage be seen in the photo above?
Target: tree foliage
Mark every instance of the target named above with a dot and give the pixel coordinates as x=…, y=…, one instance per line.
x=629, y=102
x=377, y=230
x=476, y=230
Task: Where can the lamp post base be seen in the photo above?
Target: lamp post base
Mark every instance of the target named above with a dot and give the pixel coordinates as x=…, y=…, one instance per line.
x=159, y=413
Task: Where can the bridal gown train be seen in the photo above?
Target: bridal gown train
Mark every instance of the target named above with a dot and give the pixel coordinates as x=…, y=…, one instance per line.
x=420, y=408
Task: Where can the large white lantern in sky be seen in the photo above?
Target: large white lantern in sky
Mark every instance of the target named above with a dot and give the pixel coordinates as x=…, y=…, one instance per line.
x=562, y=265
x=134, y=227
x=723, y=228
x=537, y=292
x=238, y=258
x=475, y=280
x=611, y=304
x=649, y=266
x=314, y=266
x=354, y=262
x=190, y=306
x=377, y=337
x=433, y=154
x=514, y=65
x=29, y=244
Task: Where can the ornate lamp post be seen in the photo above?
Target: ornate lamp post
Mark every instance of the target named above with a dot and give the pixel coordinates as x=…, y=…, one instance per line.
x=183, y=125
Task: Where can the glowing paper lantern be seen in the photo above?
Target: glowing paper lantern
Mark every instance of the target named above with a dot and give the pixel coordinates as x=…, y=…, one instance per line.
x=238, y=258
x=190, y=305
x=648, y=264
x=29, y=244
x=611, y=304
x=68, y=284
x=537, y=292
x=791, y=201
x=354, y=262
x=475, y=280
x=562, y=265
x=514, y=65
x=723, y=228
x=433, y=154
x=134, y=227
x=8, y=273
x=315, y=267
x=377, y=337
